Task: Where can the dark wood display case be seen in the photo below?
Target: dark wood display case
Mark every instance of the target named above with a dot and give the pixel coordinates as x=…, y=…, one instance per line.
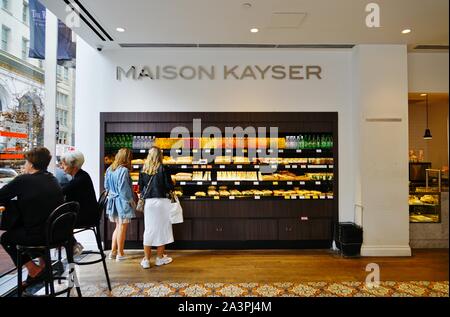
x=244, y=222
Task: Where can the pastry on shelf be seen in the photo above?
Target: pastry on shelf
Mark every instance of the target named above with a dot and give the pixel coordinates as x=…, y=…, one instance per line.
x=235, y=192
x=182, y=176
x=267, y=192
x=179, y=193
x=224, y=193
x=241, y=160
x=429, y=199
x=213, y=193
x=247, y=193
x=200, y=194
x=184, y=160
x=168, y=160
x=278, y=192
x=223, y=160
x=414, y=200
x=137, y=162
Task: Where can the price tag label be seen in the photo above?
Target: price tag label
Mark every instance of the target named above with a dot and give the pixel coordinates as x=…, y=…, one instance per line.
x=256, y=166
x=194, y=151
x=298, y=151
x=270, y=151
x=330, y=197
x=304, y=218
x=257, y=197
x=199, y=183
x=239, y=166
x=293, y=197
x=317, y=183
x=258, y=151
x=193, y=197
x=294, y=166
x=135, y=166
x=222, y=166
x=135, y=183
x=207, y=150
x=288, y=166
x=280, y=151
x=275, y=183
x=244, y=151
x=216, y=197
x=227, y=151
x=195, y=166
x=178, y=151
x=322, y=197
x=301, y=197
x=141, y=151
x=302, y=166
x=231, y=197
x=213, y=183
x=273, y=166
x=182, y=183
x=183, y=166
x=318, y=151
x=237, y=183
x=330, y=166
x=302, y=183
x=289, y=183
x=287, y=197
x=204, y=166
x=255, y=183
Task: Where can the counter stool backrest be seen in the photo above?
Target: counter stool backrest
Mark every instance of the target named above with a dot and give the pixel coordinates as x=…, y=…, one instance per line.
x=61, y=223
x=102, y=200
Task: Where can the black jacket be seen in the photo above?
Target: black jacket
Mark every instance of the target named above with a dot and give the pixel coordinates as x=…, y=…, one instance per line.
x=37, y=196
x=160, y=186
x=81, y=190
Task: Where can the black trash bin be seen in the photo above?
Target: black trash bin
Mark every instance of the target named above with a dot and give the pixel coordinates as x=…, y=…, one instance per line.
x=348, y=237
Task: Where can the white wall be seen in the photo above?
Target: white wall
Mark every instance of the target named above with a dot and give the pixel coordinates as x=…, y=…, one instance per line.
x=428, y=72
x=381, y=92
x=99, y=91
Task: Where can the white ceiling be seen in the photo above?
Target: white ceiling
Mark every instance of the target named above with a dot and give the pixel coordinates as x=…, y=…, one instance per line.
x=228, y=22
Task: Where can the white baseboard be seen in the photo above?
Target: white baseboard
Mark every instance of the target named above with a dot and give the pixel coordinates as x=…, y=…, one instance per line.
x=385, y=250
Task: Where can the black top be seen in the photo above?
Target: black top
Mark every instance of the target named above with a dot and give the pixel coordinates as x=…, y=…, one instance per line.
x=37, y=195
x=161, y=183
x=81, y=190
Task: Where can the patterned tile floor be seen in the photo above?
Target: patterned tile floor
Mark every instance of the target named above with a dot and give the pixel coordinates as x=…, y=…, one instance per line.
x=306, y=289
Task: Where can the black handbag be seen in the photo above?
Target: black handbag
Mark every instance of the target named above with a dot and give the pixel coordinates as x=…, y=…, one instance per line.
x=141, y=202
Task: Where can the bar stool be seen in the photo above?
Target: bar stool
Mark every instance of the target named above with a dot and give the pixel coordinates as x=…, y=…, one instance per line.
x=59, y=233
x=95, y=227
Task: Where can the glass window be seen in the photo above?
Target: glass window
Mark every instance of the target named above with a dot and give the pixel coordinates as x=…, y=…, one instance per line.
x=25, y=48
x=25, y=12
x=5, y=37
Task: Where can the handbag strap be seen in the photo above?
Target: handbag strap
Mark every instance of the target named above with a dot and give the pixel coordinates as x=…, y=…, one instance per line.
x=148, y=186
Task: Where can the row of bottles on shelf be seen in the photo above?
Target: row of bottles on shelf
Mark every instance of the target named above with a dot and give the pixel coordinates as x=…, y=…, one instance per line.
x=303, y=141
x=309, y=141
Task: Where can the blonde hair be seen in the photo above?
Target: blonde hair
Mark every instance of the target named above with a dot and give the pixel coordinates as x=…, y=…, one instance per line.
x=153, y=161
x=123, y=158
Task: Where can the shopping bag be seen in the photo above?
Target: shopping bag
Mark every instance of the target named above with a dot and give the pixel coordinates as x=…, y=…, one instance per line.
x=176, y=212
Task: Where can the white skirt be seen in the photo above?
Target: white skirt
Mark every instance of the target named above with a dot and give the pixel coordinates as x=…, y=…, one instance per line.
x=158, y=228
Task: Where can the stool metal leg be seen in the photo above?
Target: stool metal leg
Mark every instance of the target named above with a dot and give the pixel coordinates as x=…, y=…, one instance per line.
x=19, y=272
x=102, y=254
x=49, y=271
x=70, y=260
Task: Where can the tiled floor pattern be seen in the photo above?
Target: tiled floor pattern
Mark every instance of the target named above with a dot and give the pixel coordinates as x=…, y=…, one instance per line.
x=306, y=289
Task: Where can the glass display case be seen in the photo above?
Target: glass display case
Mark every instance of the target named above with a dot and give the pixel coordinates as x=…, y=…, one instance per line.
x=425, y=206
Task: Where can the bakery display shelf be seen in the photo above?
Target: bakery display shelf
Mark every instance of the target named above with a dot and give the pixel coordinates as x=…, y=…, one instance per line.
x=228, y=198
x=244, y=167
x=424, y=204
x=254, y=182
x=321, y=151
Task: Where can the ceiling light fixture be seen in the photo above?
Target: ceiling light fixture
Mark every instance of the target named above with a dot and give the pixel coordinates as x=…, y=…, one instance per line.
x=120, y=30
x=254, y=30
x=406, y=31
x=427, y=135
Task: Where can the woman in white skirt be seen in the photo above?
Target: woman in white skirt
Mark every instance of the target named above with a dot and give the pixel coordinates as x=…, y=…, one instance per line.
x=157, y=225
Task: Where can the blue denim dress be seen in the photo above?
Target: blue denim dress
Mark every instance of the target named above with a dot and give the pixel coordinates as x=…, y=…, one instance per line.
x=120, y=194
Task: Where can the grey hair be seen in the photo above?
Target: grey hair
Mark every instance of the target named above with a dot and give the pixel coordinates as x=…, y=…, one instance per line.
x=73, y=159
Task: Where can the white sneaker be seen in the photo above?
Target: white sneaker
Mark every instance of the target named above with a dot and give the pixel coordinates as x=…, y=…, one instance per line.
x=162, y=261
x=77, y=249
x=145, y=263
x=112, y=256
x=121, y=258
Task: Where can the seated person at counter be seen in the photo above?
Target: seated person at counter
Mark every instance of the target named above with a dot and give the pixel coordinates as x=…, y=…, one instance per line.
x=81, y=190
x=38, y=193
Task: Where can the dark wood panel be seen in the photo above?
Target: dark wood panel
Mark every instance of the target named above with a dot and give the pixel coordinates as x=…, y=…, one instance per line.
x=183, y=231
x=261, y=229
x=311, y=229
x=218, y=229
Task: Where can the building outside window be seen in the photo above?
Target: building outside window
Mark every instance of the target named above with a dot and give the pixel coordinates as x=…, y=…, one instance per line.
x=25, y=12
x=5, y=4
x=25, y=45
x=5, y=37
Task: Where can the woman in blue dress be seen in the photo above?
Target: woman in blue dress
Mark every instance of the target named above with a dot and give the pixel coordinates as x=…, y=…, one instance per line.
x=121, y=205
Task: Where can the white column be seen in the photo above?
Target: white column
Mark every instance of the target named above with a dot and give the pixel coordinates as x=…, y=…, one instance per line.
x=380, y=101
x=51, y=44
